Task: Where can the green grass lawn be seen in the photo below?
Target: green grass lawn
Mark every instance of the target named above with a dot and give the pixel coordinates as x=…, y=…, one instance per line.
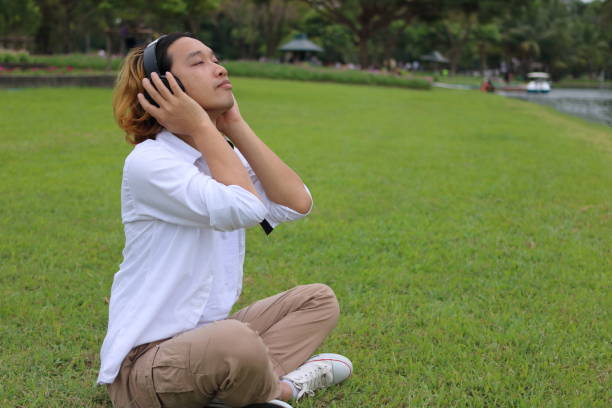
x=467, y=237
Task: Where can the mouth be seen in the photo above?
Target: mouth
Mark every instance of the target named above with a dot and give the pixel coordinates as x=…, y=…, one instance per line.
x=225, y=84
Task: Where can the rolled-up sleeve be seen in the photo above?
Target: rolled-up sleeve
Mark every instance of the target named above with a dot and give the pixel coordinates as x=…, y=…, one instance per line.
x=276, y=213
x=175, y=191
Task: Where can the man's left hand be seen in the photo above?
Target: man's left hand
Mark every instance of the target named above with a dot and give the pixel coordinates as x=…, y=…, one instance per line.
x=229, y=119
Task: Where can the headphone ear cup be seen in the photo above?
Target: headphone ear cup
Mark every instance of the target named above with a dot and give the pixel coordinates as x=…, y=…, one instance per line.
x=151, y=101
x=167, y=84
x=178, y=81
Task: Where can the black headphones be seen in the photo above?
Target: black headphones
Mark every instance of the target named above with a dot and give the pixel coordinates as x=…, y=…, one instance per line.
x=150, y=66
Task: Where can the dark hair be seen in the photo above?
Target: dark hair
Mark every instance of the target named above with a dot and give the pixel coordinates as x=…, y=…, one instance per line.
x=164, y=62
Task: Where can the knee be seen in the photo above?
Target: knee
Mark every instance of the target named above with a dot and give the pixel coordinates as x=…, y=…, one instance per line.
x=234, y=364
x=239, y=344
x=320, y=288
x=326, y=300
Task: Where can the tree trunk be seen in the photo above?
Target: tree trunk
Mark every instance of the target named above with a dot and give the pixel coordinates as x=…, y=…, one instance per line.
x=454, y=62
x=388, y=47
x=109, y=49
x=42, y=40
x=193, y=24
x=362, y=44
x=87, y=42
x=275, y=29
x=483, y=59
x=268, y=20
x=453, y=55
x=457, y=47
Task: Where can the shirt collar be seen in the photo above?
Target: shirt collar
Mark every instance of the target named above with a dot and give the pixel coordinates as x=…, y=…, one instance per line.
x=178, y=145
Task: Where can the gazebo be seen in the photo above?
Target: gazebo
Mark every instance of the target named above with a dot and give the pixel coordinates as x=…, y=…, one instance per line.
x=435, y=58
x=299, y=49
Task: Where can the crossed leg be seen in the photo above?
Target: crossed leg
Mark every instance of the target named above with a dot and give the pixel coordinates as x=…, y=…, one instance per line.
x=238, y=360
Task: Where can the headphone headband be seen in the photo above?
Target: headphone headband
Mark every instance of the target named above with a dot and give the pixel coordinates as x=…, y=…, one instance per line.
x=150, y=58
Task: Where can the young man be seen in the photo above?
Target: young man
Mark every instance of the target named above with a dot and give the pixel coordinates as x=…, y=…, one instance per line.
x=187, y=195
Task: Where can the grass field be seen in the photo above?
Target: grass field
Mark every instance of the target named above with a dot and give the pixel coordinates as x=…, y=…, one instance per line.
x=467, y=237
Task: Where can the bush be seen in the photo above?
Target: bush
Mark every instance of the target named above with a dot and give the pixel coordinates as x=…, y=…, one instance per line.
x=12, y=57
x=9, y=58
x=79, y=61
x=238, y=68
x=318, y=74
x=24, y=58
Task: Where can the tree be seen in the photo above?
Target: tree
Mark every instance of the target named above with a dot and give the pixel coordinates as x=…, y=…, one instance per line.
x=467, y=21
x=335, y=39
x=244, y=32
x=259, y=25
x=456, y=29
x=19, y=17
x=272, y=21
x=366, y=18
x=188, y=13
x=58, y=19
x=591, y=47
x=543, y=34
x=487, y=37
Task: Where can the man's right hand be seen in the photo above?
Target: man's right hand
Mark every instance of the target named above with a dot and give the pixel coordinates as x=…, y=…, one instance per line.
x=177, y=112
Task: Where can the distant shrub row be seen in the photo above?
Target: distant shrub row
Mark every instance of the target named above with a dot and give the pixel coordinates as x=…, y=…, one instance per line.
x=15, y=58
x=583, y=83
x=301, y=73
x=239, y=68
x=79, y=61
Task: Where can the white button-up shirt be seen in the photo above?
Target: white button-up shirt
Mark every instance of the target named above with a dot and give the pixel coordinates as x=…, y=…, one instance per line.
x=184, y=246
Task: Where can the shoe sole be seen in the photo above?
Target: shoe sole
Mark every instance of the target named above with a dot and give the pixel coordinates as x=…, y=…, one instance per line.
x=219, y=404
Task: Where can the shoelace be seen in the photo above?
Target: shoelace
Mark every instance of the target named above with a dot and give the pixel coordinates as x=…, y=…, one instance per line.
x=311, y=377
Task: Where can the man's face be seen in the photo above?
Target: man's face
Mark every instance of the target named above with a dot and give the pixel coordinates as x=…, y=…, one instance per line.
x=197, y=67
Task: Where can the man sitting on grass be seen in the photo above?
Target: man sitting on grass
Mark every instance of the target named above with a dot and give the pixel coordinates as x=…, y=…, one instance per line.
x=187, y=196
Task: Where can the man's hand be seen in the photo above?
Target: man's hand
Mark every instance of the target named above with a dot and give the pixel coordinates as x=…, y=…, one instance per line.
x=177, y=111
x=229, y=119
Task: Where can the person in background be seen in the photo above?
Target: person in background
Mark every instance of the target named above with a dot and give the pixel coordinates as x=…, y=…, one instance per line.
x=487, y=86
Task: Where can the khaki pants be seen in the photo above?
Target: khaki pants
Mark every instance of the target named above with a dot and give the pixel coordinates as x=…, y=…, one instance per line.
x=238, y=360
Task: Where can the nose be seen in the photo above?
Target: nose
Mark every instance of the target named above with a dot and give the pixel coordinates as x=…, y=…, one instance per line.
x=221, y=71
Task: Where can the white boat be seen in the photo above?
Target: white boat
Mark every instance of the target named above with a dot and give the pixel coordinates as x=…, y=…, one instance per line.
x=539, y=82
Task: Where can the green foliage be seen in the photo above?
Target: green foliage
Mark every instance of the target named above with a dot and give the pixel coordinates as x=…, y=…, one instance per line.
x=19, y=17
x=466, y=235
x=366, y=20
x=583, y=83
x=253, y=28
x=251, y=69
x=82, y=61
x=335, y=39
x=299, y=73
x=563, y=37
x=15, y=57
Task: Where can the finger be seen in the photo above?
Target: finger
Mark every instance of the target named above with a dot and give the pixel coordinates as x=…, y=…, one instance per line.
x=148, y=86
x=176, y=88
x=147, y=106
x=161, y=87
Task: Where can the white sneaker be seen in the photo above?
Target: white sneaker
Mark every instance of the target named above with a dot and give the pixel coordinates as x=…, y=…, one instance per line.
x=279, y=403
x=215, y=403
x=320, y=371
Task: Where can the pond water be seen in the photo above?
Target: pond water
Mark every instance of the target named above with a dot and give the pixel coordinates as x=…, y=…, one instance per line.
x=591, y=104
